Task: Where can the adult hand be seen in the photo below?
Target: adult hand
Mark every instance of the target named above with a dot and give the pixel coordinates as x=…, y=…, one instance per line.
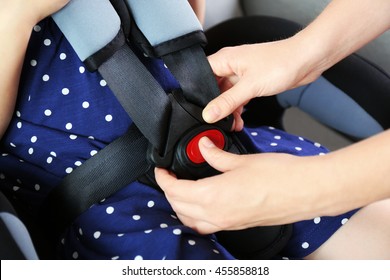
x=249, y=71
x=253, y=190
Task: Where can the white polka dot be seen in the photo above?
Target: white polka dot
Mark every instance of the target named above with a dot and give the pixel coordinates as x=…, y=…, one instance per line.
x=15, y=188
x=97, y=234
x=177, y=231
x=93, y=152
x=151, y=204
x=37, y=187
x=12, y=145
x=163, y=225
x=2, y=176
x=81, y=69
x=254, y=133
x=173, y=217
x=305, y=245
x=47, y=42
x=31, y=151
x=75, y=255
x=37, y=28
x=344, y=221
x=19, y=125
x=318, y=145
x=120, y=234
x=80, y=231
x=274, y=144
x=191, y=242
x=165, y=66
x=18, y=181
x=136, y=217
x=317, y=220
x=110, y=210
x=298, y=149
x=103, y=83
x=77, y=163
x=138, y=258
x=73, y=137
x=216, y=251
x=49, y=160
x=91, y=137
x=53, y=154
x=65, y=91
x=33, y=62
x=18, y=114
x=68, y=126
x=300, y=138
x=34, y=139
x=277, y=137
x=48, y=113
x=321, y=154
x=69, y=170
x=271, y=127
x=148, y=231
x=62, y=56
x=85, y=104
x=108, y=118
x=45, y=78
x=115, y=258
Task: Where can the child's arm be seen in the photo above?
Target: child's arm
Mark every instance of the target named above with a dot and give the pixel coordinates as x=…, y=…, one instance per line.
x=17, y=18
x=199, y=7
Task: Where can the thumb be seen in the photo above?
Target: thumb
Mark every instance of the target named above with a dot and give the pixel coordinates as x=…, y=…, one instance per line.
x=226, y=103
x=217, y=158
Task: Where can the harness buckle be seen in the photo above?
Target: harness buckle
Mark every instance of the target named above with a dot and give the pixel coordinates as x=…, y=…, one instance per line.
x=181, y=152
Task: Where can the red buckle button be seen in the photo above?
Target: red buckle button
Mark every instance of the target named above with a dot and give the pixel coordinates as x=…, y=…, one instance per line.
x=192, y=149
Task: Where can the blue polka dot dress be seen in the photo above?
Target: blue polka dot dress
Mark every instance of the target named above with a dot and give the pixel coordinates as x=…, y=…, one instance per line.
x=64, y=115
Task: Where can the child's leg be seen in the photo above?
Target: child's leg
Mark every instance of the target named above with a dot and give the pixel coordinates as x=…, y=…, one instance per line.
x=365, y=236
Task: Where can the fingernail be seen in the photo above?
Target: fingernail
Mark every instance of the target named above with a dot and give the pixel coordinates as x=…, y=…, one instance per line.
x=211, y=113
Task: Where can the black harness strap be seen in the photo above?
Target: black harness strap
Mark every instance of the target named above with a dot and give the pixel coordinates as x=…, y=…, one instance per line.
x=139, y=94
x=191, y=68
x=118, y=164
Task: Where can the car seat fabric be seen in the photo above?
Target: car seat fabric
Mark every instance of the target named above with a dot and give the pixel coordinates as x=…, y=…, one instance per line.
x=16, y=240
x=65, y=115
x=331, y=106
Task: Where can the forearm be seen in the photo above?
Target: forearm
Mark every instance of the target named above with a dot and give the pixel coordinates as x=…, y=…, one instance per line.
x=355, y=176
x=15, y=36
x=341, y=29
x=17, y=18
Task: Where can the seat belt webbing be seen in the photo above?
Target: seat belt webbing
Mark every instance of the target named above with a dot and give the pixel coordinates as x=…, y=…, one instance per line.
x=191, y=68
x=117, y=165
x=139, y=94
